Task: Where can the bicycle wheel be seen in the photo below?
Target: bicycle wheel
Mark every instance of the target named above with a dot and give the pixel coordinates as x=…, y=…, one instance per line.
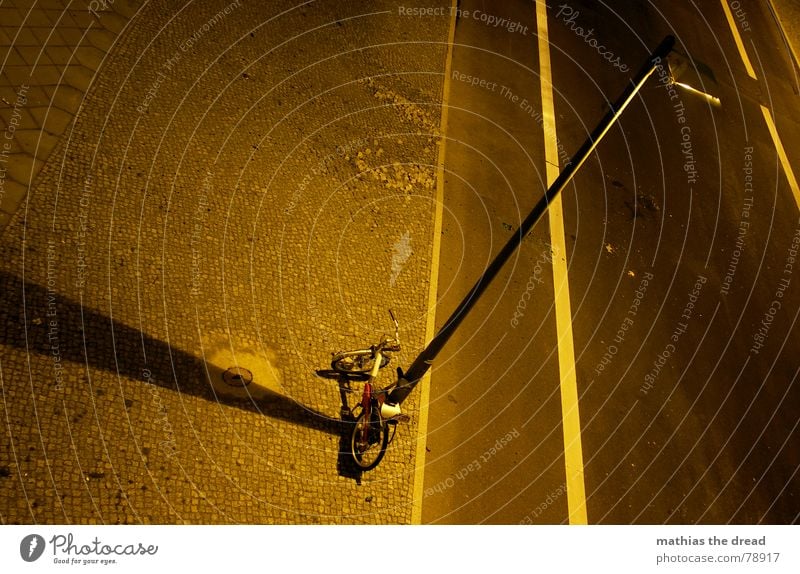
x=368, y=443
x=352, y=363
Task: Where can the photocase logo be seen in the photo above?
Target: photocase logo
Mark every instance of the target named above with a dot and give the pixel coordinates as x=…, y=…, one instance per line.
x=31, y=547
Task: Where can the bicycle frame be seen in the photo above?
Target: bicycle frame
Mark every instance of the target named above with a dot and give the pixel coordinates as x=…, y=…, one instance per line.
x=370, y=430
x=366, y=396
x=367, y=399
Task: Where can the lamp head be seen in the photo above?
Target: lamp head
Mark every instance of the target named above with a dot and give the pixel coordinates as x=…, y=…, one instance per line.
x=687, y=73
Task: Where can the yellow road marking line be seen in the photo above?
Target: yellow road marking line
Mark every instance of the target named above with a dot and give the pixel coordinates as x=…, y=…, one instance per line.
x=738, y=39
x=787, y=168
x=790, y=42
x=573, y=452
x=430, y=327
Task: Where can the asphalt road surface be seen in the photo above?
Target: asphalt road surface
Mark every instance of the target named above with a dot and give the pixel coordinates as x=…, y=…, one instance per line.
x=681, y=237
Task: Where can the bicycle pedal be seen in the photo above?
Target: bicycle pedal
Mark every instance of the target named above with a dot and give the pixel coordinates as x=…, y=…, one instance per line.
x=401, y=418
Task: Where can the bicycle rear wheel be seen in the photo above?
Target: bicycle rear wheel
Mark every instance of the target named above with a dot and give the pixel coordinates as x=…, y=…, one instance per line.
x=368, y=442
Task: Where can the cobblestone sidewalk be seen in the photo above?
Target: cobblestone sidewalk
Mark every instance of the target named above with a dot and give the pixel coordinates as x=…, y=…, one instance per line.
x=50, y=51
x=247, y=185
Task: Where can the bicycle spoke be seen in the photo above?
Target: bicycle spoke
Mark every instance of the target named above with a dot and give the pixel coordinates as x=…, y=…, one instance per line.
x=368, y=443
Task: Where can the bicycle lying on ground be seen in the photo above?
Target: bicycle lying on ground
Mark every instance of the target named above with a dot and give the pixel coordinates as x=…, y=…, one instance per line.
x=375, y=417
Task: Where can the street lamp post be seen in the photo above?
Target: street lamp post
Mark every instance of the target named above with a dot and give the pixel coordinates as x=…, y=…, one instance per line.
x=423, y=362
